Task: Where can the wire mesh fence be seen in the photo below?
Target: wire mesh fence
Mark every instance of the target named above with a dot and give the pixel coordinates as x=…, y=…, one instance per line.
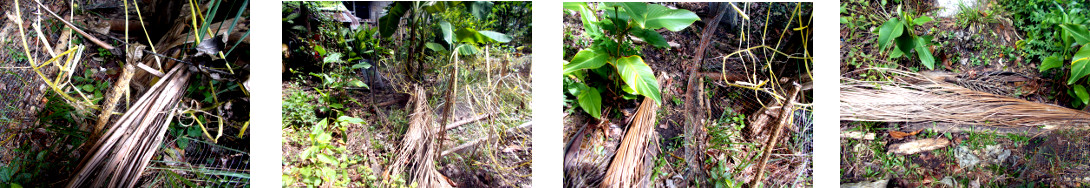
x=22, y=92
x=187, y=162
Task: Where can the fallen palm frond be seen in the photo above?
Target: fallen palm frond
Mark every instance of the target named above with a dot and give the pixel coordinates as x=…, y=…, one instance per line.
x=119, y=158
x=419, y=147
x=912, y=97
x=631, y=167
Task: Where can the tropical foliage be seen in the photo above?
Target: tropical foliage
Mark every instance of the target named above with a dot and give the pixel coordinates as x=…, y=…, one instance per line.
x=613, y=46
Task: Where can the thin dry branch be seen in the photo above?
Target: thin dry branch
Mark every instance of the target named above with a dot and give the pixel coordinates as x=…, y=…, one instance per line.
x=474, y=143
x=80, y=31
x=112, y=97
x=785, y=118
x=694, y=147
x=467, y=121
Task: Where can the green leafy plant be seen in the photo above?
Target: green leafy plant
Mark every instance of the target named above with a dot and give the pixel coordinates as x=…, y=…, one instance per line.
x=322, y=158
x=898, y=33
x=723, y=176
x=613, y=46
x=1040, y=20
x=297, y=110
x=1070, y=30
x=422, y=15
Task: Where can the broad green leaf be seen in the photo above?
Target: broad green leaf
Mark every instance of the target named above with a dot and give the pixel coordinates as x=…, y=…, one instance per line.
x=629, y=90
x=306, y=153
x=1080, y=65
x=896, y=53
x=637, y=11
x=361, y=65
x=589, y=18
x=437, y=7
x=618, y=14
x=388, y=24
x=659, y=16
x=1081, y=93
x=639, y=77
x=435, y=47
x=468, y=35
x=586, y=59
x=1078, y=32
x=194, y=132
x=348, y=119
x=481, y=9
x=591, y=101
x=358, y=83
x=323, y=138
x=575, y=88
x=651, y=37
x=333, y=58
x=922, y=20
x=291, y=16
x=87, y=87
x=496, y=36
x=922, y=44
x=1049, y=63
x=467, y=49
x=574, y=5
x=326, y=159
x=889, y=30
x=448, y=32
x=319, y=49
x=907, y=43
x=609, y=25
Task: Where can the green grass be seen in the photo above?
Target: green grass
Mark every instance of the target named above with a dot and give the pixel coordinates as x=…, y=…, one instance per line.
x=298, y=109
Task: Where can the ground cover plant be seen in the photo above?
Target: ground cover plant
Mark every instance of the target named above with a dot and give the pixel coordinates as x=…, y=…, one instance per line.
x=1024, y=53
x=406, y=94
x=675, y=94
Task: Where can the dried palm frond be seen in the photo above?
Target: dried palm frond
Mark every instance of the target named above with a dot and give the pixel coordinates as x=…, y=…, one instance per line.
x=119, y=158
x=419, y=148
x=631, y=167
x=912, y=97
